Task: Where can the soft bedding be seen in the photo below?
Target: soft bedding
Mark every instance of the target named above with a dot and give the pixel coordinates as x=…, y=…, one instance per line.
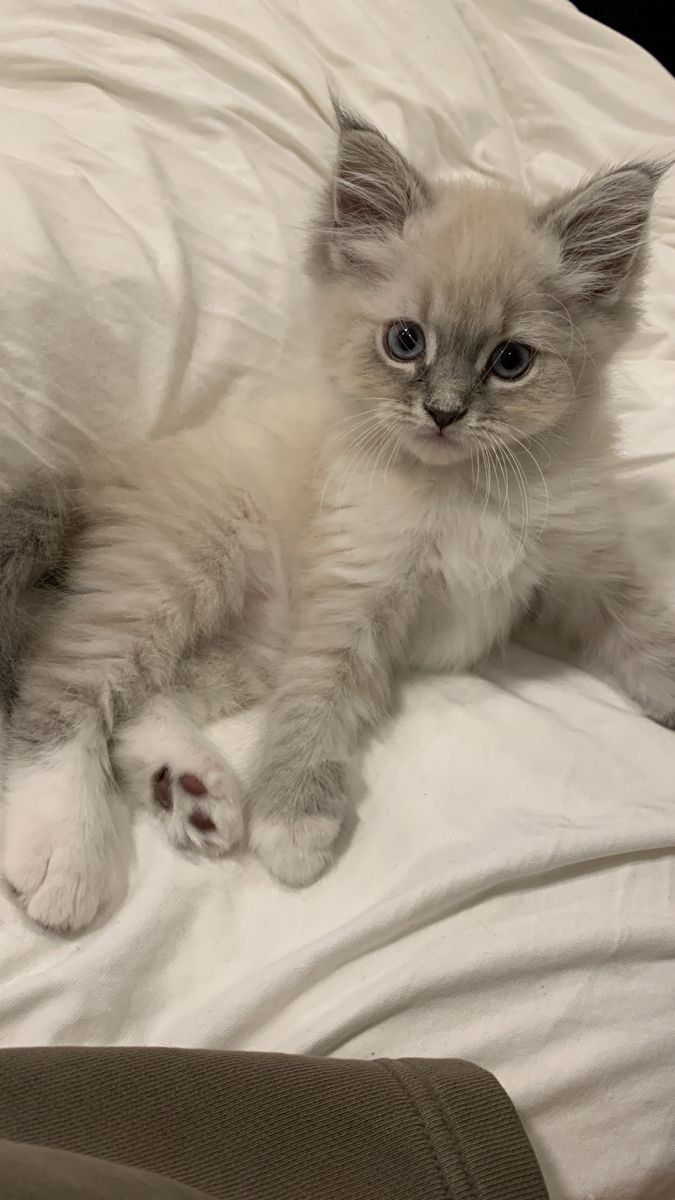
x=507, y=895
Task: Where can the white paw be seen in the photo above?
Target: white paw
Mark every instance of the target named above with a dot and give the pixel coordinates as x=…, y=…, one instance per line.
x=168, y=762
x=60, y=847
x=296, y=852
x=202, y=804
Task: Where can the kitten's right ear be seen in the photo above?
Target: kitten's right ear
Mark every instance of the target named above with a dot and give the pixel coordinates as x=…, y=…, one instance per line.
x=373, y=191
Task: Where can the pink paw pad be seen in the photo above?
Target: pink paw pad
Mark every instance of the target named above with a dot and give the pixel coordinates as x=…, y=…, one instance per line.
x=192, y=784
x=162, y=789
x=201, y=821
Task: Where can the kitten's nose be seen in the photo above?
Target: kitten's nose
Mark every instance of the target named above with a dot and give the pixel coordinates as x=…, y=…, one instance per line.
x=444, y=416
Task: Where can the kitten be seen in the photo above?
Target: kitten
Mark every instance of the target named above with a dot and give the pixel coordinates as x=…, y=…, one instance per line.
x=451, y=472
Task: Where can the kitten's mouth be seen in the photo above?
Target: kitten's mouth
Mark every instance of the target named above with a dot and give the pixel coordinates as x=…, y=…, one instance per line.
x=448, y=437
x=438, y=445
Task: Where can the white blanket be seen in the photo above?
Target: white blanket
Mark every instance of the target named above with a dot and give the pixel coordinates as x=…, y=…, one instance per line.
x=507, y=895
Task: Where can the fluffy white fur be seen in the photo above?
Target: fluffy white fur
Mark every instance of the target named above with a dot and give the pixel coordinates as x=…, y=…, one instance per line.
x=60, y=835
x=316, y=543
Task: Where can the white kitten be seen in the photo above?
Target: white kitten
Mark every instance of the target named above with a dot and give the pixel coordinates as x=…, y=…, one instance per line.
x=452, y=472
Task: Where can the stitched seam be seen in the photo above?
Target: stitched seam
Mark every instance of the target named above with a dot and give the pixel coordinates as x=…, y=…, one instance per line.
x=393, y=1072
x=455, y=1140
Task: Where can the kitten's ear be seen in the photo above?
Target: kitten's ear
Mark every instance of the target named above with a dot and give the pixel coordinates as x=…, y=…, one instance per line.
x=602, y=229
x=374, y=188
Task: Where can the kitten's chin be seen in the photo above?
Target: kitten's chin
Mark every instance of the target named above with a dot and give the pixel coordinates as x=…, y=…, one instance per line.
x=438, y=451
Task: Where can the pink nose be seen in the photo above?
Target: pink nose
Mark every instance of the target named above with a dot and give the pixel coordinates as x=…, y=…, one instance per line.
x=444, y=416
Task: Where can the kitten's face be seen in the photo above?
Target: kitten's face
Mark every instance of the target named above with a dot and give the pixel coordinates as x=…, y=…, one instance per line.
x=460, y=338
x=461, y=316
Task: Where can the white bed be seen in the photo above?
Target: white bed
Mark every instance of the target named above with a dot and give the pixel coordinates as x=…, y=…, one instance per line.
x=157, y=161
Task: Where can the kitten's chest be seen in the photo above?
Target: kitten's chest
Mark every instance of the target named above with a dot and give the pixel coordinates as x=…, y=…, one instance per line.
x=476, y=581
x=473, y=551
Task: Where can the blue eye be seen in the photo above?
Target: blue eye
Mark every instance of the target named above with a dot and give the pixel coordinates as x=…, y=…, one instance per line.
x=510, y=360
x=404, y=340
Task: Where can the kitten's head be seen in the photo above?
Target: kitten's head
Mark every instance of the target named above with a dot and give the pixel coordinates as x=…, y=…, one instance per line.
x=462, y=313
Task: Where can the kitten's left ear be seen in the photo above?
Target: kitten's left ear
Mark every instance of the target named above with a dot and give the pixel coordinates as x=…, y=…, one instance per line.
x=602, y=229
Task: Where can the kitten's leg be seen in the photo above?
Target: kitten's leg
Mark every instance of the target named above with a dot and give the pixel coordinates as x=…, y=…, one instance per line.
x=356, y=602
x=635, y=646
x=167, y=763
x=35, y=522
x=61, y=846
x=147, y=577
x=229, y=673
x=626, y=633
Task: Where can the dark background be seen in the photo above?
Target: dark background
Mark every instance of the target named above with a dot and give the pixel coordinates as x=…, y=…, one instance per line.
x=644, y=21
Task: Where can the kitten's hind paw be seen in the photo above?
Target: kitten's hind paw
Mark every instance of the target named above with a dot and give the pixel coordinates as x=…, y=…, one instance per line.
x=203, y=810
x=165, y=759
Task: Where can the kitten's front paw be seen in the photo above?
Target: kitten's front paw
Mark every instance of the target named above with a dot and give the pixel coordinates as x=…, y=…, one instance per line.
x=61, y=858
x=295, y=822
x=296, y=852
